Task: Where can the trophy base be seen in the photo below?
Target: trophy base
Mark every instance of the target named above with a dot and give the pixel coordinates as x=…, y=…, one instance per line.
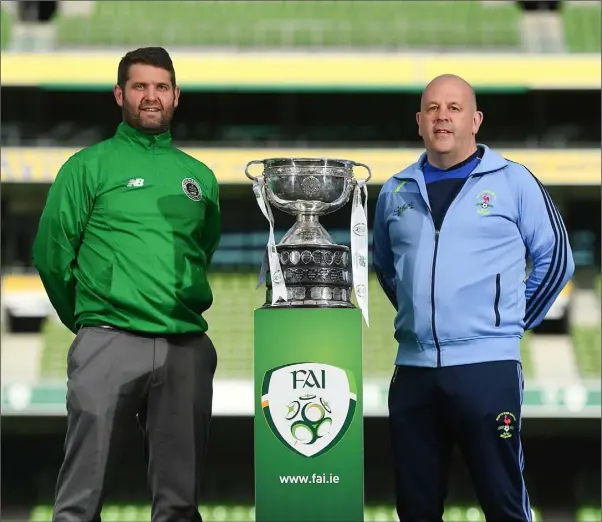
x=316, y=276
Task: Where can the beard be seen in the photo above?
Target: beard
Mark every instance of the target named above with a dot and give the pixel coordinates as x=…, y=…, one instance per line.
x=135, y=117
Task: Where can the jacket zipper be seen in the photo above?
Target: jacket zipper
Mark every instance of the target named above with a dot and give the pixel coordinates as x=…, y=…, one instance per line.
x=496, y=303
x=154, y=161
x=435, y=338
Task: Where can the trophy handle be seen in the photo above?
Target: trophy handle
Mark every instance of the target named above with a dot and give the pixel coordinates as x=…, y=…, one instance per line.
x=356, y=164
x=253, y=178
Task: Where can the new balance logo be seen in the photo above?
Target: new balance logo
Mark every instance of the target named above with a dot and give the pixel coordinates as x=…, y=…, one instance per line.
x=136, y=182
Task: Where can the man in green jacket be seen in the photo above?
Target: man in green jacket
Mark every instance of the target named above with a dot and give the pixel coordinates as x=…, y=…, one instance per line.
x=123, y=248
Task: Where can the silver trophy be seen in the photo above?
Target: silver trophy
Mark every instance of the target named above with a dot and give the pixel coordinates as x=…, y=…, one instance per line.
x=307, y=269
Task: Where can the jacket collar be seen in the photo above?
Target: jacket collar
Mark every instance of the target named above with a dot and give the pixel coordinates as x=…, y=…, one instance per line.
x=146, y=141
x=490, y=162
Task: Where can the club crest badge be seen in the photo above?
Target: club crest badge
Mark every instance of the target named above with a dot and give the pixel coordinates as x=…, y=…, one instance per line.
x=192, y=189
x=506, y=424
x=309, y=406
x=485, y=201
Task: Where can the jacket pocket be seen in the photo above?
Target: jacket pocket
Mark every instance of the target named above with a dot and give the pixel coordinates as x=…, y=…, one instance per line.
x=496, y=302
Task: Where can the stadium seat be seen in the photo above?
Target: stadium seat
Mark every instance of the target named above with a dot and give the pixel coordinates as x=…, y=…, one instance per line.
x=582, y=26
x=233, y=513
x=55, y=344
x=5, y=28
x=589, y=514
x=585, y=341
x=331, y=24
x=377, y=24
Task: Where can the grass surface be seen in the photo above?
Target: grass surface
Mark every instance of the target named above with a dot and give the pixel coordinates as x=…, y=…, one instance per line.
x=294, y=24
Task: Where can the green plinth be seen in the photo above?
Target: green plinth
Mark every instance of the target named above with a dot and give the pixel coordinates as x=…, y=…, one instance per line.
x=308, y=415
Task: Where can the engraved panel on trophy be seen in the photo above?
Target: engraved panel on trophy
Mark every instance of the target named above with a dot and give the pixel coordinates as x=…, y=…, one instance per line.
x=311, y=186
x=295, y=257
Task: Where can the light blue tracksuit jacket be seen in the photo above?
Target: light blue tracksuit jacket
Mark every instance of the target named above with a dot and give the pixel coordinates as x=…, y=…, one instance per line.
x=461, y=292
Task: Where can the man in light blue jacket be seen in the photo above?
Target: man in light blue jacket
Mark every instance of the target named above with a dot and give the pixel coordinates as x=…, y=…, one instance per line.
x=452, y=236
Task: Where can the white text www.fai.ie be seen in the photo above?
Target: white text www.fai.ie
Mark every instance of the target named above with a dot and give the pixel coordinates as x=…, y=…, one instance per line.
x=315, y=478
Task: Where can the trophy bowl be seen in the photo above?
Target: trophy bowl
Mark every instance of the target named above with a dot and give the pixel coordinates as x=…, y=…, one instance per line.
x=308, y=185
x=316, y=271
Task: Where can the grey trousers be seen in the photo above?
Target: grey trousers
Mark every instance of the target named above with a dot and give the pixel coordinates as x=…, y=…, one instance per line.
x=116, y=378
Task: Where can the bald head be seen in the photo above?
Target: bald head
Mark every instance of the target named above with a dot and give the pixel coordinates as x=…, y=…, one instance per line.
x=448, y=120
x=451, y=81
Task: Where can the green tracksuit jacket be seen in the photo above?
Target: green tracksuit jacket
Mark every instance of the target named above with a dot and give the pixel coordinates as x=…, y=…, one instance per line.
x=127, y=235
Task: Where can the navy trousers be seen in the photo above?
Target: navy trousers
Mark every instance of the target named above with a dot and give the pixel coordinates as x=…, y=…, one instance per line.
x=477, y=406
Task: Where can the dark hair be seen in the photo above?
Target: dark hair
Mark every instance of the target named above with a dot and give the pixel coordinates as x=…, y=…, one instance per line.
x=155, y=56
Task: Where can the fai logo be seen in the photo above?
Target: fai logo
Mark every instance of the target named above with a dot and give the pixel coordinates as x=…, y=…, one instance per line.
x=192, y=189
x=359, y=229
x=484, y=201
x=505, y=422
x=308, y=406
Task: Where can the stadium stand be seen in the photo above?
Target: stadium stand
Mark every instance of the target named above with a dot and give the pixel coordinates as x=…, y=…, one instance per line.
x=235, y=341
x=323, y=24
x=472, y=25
x=236, y=296
x=133, y=513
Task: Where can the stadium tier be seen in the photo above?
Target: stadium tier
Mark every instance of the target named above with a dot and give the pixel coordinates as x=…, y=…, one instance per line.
x=236, y=295
x=467, y=25
x=298, y=24
x=241, y=513
x=553, y=166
